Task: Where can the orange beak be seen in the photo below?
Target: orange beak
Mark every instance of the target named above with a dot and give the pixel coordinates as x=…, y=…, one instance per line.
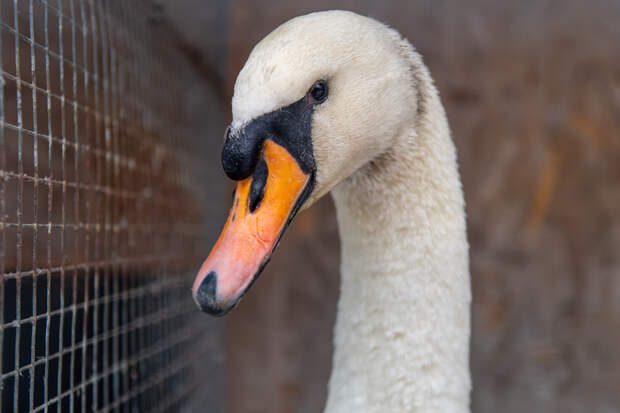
x=252, y=230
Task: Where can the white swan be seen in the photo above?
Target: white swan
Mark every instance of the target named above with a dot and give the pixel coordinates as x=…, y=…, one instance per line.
x=334, y=101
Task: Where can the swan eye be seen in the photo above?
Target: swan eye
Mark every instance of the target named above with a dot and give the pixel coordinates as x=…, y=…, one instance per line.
x=318, y=92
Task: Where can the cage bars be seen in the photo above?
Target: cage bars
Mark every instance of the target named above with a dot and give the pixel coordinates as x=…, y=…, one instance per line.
x=100, y=225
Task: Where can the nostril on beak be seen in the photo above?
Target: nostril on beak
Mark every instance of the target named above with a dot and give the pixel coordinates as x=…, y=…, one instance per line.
x=205, y=296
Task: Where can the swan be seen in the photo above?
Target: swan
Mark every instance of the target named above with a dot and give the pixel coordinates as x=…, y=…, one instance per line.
x=338, y=102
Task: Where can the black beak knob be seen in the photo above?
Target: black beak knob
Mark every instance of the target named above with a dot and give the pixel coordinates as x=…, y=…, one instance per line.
x=240, y=154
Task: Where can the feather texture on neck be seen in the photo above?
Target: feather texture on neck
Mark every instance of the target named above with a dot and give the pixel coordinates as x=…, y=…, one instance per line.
x=403, y=326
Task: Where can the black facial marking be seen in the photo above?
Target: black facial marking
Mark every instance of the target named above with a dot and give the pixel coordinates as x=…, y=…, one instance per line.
x=290, y=127
x=257, y=189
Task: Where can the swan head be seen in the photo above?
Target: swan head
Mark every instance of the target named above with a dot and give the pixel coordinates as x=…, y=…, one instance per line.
x=317, y=99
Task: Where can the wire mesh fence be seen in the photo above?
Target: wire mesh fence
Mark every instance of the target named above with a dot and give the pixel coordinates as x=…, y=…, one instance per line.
x=102, y=212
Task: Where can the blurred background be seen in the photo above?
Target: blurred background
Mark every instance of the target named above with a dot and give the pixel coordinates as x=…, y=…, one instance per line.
x=532, y=93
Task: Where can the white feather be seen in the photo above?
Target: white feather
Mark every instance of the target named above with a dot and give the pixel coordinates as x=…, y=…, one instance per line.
x=382, y=146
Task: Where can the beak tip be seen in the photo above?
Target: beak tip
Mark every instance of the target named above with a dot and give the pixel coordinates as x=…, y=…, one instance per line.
x=206, y=299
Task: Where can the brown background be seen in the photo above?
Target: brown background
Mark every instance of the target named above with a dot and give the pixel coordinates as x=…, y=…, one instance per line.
x=532, y=91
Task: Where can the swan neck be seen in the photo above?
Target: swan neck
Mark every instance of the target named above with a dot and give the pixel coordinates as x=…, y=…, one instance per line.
x=403, y=325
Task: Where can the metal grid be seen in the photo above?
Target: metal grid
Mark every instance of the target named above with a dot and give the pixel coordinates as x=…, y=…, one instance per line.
x=101, y=188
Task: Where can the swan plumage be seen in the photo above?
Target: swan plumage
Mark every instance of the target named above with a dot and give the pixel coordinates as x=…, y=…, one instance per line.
x=381, y=144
